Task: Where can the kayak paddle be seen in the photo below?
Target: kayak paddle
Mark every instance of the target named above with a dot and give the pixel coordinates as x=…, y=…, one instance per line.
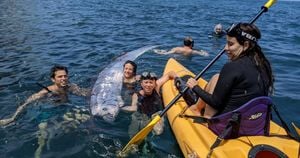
x=135, y=140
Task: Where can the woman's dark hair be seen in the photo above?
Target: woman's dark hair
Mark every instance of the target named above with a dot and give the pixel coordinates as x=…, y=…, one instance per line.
x=133, y=64
x=245, y=32
x=57, y=68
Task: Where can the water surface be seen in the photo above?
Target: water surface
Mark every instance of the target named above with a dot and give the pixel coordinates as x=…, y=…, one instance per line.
x=87, y=35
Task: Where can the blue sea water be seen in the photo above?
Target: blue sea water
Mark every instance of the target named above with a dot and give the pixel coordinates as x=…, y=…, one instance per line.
x=87, y=35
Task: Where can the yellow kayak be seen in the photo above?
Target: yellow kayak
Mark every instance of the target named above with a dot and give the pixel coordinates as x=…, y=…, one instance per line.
x=195, y=139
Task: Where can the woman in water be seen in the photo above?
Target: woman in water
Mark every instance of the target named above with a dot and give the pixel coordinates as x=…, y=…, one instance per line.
x=130, y=81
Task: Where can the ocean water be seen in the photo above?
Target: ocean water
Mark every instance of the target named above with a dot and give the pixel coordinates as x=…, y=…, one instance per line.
x=87, y=35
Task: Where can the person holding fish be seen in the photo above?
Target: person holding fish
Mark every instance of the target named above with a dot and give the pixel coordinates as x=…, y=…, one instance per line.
x=147, y=102
x=58, y=92
x=130, y=81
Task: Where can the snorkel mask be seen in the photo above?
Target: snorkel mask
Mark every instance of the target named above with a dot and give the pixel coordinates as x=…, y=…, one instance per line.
x=241, y=36
x=148, y=76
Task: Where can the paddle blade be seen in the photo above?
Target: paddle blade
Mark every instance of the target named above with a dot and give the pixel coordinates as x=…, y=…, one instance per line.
x=270, y=3
x=141, y=135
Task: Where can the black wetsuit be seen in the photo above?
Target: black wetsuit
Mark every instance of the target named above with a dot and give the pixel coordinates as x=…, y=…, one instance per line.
x=127, y=91
x=239, y=82
x=221, y=34
x=149, y=104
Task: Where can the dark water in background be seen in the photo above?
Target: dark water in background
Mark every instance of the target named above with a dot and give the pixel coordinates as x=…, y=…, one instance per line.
x=86, y=35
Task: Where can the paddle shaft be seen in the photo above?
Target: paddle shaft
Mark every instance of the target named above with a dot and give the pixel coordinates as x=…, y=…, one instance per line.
x=263, y=9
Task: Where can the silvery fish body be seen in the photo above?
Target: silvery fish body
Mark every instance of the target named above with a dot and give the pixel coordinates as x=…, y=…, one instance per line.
x=106, y=97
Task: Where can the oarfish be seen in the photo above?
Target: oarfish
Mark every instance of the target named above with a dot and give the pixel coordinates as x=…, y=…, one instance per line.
x=106, y=97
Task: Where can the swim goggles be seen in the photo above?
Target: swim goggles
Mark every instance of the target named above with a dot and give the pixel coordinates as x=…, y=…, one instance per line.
x=148, y=76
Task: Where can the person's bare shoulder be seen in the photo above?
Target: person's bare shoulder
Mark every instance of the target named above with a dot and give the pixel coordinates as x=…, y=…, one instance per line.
x=176, y=49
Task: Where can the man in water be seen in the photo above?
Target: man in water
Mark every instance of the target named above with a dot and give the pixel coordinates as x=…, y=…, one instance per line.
x=186, y=49
x=58, y=91
x=218, y=31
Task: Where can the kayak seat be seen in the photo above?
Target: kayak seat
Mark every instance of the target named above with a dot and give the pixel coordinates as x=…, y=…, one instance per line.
x=251, y=119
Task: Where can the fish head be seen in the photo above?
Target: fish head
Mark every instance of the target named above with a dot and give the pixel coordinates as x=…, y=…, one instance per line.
x=108, y=113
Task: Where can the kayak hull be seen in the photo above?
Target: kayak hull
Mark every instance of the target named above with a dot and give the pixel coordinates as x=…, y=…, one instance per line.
x=195, y=139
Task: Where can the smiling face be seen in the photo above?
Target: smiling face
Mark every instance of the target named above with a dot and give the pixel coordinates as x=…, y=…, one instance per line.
x=148, y=86
x=128, y=71
x=60, y=78
x=233, y=48
x=218, y=29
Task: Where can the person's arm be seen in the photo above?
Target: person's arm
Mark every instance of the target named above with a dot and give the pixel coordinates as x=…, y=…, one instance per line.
x=160, y=51
x=169, y=76
x=173, y=50
x=223, y=87
x=200, y=52
x=75, y=89
x=164, y=52
x=32, y=98
x=133, y=106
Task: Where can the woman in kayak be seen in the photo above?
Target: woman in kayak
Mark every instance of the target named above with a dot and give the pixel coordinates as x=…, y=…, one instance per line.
x=247, y=75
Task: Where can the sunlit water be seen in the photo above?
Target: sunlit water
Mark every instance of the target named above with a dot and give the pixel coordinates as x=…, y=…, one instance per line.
x=87, y=35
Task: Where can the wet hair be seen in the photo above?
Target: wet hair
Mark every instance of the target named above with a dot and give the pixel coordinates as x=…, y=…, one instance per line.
x=57, y=68
x=218, y=26
x=131, y=63
x=245, y=32
x=188, y=41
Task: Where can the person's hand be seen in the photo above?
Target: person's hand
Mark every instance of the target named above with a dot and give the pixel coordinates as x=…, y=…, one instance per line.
x=138, y=77
x=159, y=51
x=172, y=74
x=191, y=83
x=158, y=128
x=204, y=53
